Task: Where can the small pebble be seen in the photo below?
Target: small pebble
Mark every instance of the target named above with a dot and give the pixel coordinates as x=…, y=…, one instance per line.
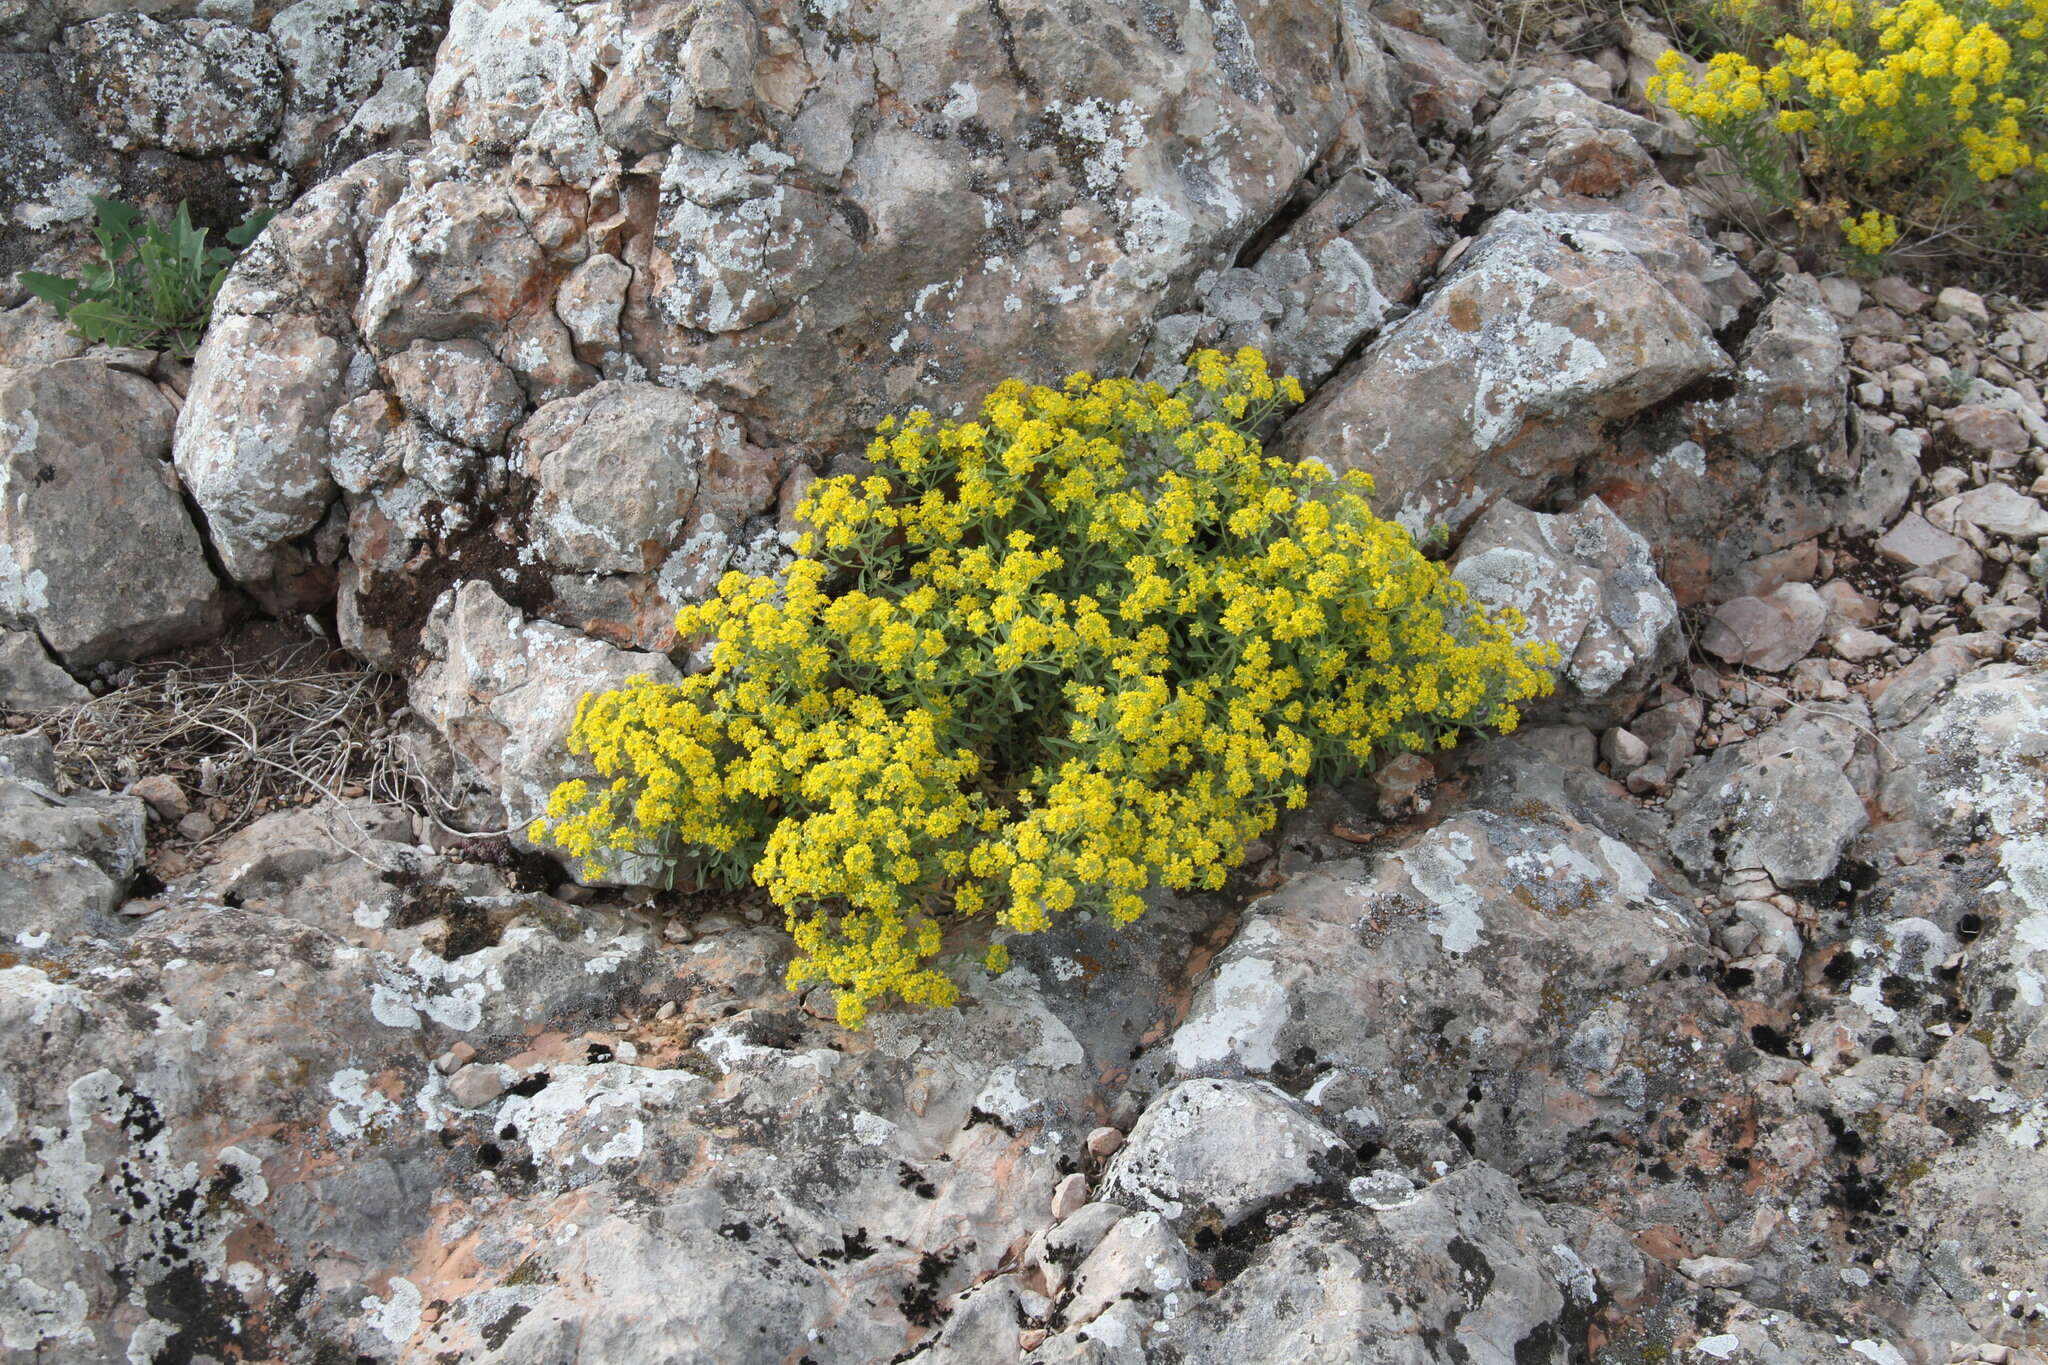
x=473, y=1087
x=1069, y=1197
x=1104, y=1142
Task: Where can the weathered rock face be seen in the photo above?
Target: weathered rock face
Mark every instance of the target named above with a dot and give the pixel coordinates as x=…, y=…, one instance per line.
x=1499, y=383
x=69, y=861
x=1550, y=139
x=1783, y=804
x=714, y=200
x=1467, y=1254
x=1586, y=583
x=231, y=1137
x=232, y=107
x=97, y=553
x=643, y=496
x=502, y=691
x=30, y=680
x=197, y=87
x=1331, y=280
x=1724, y=481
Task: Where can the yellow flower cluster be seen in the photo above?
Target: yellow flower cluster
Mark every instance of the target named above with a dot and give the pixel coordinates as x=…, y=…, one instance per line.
x=1871, y=233
x=1050, y=660
x=1917, y=102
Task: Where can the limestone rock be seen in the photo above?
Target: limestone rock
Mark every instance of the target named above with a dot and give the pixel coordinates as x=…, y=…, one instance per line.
x=1344, y=1285
x=69, y=861
x=1226, y=1147
x=1719, y=483
x=199, y=87
x=1997, y=508
x=1915, y=543
x=1140, y=1257
x=155, y=1085
x=1503, y=951
x=252, y=447
x=1783, y=803
x=459, y=389
x=1497, y=384
x=1587, y=584
x=97, y=553
x=650, y=489
x=30, y=680
x=1550, y=138
x=502, y=692
x=1332, y=279
x=1769, y=633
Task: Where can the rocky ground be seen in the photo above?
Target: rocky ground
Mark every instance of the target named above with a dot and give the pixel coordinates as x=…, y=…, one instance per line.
x=1704, y=1019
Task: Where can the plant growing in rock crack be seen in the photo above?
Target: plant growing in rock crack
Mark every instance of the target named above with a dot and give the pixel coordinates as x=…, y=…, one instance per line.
x=1928, y=116
x=1047, y=661
x=156, y=284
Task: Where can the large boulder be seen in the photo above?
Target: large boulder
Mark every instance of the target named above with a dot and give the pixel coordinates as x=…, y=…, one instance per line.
x=97, y=553
x=231, y=1136
x=1502, y=380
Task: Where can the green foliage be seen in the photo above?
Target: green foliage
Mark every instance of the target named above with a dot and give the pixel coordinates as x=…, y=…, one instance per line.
x=1041, y=663
x=156, y=286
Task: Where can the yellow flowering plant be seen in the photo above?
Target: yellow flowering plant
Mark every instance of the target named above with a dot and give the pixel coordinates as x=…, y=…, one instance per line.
x=1928, y=113
x=1047, y=661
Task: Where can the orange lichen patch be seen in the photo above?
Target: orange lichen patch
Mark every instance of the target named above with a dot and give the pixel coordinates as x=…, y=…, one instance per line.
x=1663, y=1242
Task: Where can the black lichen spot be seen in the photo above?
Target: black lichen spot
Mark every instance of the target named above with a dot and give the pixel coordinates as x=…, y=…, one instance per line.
x=910, y=1178
x=737, y=1232
x=528, y=1086
x=1768, y=1039
x=495, y=1333
x=920, y=1302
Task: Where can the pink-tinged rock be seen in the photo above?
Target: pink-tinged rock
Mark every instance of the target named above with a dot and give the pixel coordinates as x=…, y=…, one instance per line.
x=1402, y=784
x=453, y=259
x=644, y=496
x=1997, y=508
x=1444, y=91
x=1986, y=430
x=1858, y=645
x=1069, y=1196
x=503, y=690
x=1724, y=482
x=1848, y=605
x=1917, y=544
x=1769, y=633
x=459, y=389
x=1551, y=138
x=1895, y=293
x=252, y=448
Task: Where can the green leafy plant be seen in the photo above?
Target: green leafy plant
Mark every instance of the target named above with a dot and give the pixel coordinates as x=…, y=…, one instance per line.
x=157, y=285
x=1036, y=664
x=1928, y=116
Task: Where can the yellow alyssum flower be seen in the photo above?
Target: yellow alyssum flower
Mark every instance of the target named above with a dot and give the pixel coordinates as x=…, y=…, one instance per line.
x=1080, y=650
